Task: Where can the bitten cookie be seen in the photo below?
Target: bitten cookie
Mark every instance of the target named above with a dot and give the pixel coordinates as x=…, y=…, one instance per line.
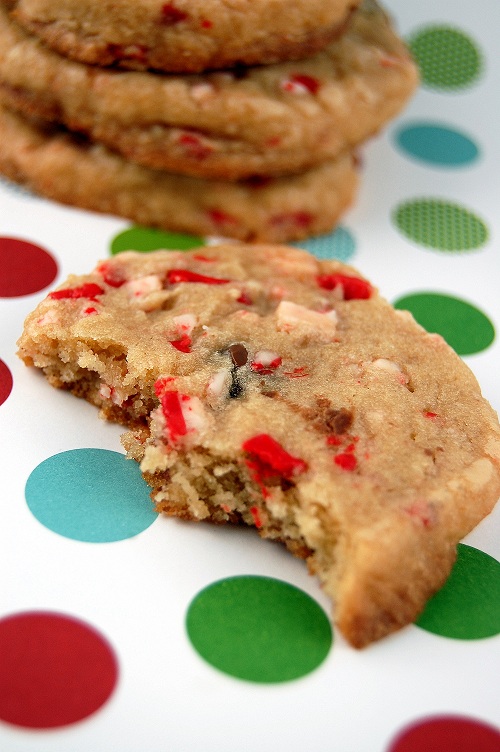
x=184, y=35
x=73, y=171
x=263, y=386
x=278, y=119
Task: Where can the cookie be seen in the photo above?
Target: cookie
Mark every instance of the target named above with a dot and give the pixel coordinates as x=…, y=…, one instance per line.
x=183, y=36
x=73, y=171
x=266, y=120
x=265, y=387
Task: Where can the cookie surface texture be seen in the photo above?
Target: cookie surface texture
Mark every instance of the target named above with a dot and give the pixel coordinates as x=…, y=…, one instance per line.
x=72, y=171
x=263, y=386
x=184, y=35
x=266, y=120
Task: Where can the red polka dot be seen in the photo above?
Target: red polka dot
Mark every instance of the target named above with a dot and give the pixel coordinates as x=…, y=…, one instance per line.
x=448, y=734
x=5, y=382
x=25, y=268
x=54, y=670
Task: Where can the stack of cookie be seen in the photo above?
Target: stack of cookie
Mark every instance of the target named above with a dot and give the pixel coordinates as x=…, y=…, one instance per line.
x=232, y=119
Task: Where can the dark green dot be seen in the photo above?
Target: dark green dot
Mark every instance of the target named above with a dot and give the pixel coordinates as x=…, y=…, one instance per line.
x=464, y=327
x=468, y=606
x=447, y=58
x=440, y=225
x=147, y=239
x=259, y=629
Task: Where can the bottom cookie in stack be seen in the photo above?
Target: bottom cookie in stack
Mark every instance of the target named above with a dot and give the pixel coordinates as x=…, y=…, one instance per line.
x=72, y=170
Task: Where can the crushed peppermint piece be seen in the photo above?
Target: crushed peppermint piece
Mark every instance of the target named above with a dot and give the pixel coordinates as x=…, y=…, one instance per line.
x=170, y=401
x=244, y=299
x=353, y=288
x=139, y=288
x=183, y=344
x=175, y=276
x=88, y=290
x=265, y=362
x=217, y=383
x=346, y=460
x=185, y=322
x=256, y=515
x=300, y=83
x=195, y=146
x=292, y=316
x=270, y=459
x=171, y=15
x=112, y=274
x=220, y=217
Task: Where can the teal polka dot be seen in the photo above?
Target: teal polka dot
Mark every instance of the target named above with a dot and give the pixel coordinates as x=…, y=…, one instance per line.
x=468, y=606
x=339, y=244
x=437, y=145
x=464, y=327
x=440, y=225
x=91, y=495
x=448, y=58
x=258, y=629
x=147, y=239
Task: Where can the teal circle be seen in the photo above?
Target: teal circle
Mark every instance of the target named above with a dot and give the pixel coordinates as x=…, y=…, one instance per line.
x=339, y=245
x=468, y=605
x=258, y=629
x=146, y=239
x=91, y=495
x=464, y=327
x=436, y=144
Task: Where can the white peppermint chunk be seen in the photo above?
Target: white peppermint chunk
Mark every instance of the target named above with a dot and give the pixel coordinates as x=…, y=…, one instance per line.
x=293, y=317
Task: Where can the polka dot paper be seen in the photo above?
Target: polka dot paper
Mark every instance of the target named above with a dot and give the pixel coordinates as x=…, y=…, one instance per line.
x=121, y=630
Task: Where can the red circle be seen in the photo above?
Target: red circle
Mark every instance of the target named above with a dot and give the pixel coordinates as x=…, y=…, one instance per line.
x=5, y=382
x=447, y=734
x=25, y=268
x=54, y=670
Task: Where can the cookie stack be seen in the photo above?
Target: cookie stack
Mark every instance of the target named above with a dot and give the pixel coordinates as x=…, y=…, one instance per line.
x=231, y=119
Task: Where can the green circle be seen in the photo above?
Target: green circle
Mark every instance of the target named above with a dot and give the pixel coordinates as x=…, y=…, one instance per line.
x=147, y=239
x=259, y=629
x=440, y=225
x=447, y=58
x=464, y=327
x=468, y=606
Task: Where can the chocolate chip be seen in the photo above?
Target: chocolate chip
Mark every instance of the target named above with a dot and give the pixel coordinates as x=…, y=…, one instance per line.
x=238, y=353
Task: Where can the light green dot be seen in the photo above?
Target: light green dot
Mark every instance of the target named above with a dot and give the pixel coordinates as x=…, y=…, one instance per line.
x=464, y=327
x=147, y=239
x=468, y=606
x=440, y=225
x=258, y=629
x=447, y=58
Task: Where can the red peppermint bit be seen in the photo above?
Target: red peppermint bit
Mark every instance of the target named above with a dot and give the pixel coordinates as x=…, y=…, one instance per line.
x=346, y=461
x=430, y=414
x=298, y=219
x=268, y=368
x=297, y=373
x=354, y=288
x=220, y=217
x=111, y=274
x=273, y=142
x=184, y=275
x=183, y=344
x=206, y=259
x=271, y=458
x=334, y=440
x=423, y=513
x=206, y=23
x=90, y=310
x=161, y=384
x=137, y=52
x=303, y=80
x=244, y=299
x=255, y=512
x=194, y=146
x=171, y=15
x=88, y=290
x=172, y=411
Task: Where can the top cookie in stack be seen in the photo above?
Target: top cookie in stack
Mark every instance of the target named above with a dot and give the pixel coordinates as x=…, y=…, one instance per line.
x=250, y=151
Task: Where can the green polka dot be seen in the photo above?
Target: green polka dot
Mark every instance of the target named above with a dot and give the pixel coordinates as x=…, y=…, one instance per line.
x=447, y=58
x=258, y=629
x=464, y=327
x=146, y=239
x=468, y=606
x=440, y=225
